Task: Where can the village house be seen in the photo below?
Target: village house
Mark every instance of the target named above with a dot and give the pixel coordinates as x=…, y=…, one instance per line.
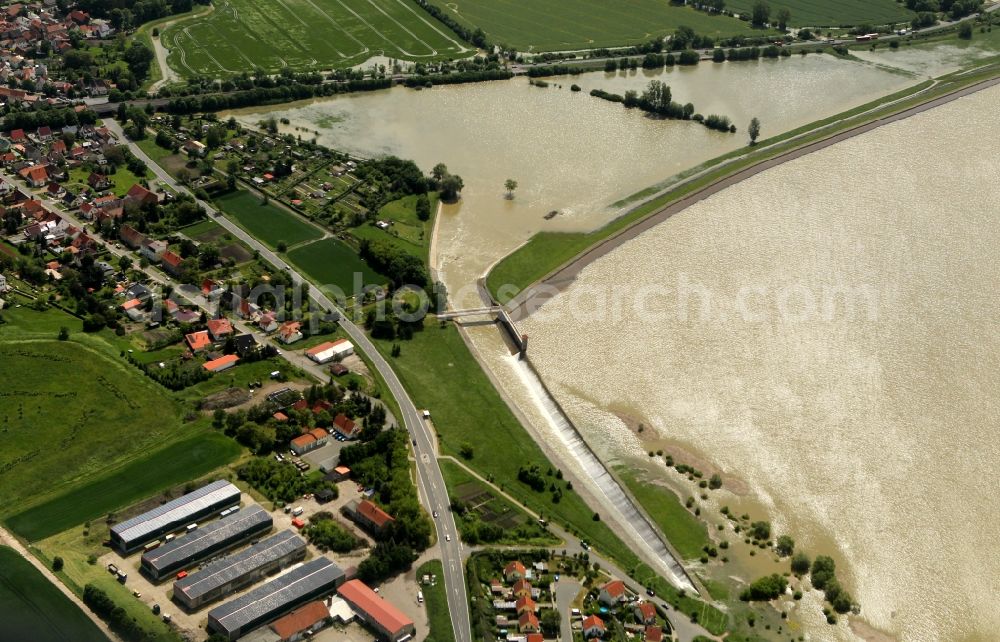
x=645, y=613
x=198, y=341
x=654, y=634
x=514, y=571
x=528, y=623
x=153, y=250
x=222, y=363
x=35, y=176
x=171, y=263
x=290, y=332
x=346, y=427
x=593, y=627
x=612, y=594
x=268, y=322
x=140, y=195
x=220, y=329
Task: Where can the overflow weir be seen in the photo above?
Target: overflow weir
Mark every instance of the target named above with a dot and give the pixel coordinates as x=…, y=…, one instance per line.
x=579, y=450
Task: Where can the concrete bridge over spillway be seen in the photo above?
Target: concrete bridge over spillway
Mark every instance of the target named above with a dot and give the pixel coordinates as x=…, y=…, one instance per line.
x=502, y=317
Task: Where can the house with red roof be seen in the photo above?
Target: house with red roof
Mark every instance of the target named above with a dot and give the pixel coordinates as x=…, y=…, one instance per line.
x=171, y=263
x=524, y=604
x=654, y=634
x=345, y=426
x=140, y=195
x=593, y=627
x=612, y=594
x=367, y=515
x=220, y=328
x=36, y=176
x=268, y=322
x=98, y=182
x=645, y=613
x=521, y=588
x=528, y=623
x=290, y=332
x=198, y=341
x=514, y=571
x=131, y=237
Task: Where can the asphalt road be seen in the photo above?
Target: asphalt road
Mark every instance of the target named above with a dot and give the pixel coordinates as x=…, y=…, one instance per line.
x=430, y=482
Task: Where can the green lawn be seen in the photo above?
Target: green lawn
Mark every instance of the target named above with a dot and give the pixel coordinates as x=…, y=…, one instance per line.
x=122, y=180
x=332, y=263
x=436, y=601
x=267, y=222
x=441, y=374
x=841, y=13
x=142, y=477
x=31, y=608
x=242, y=35
x=555, y=25
x=408, y=232
x=69, y=412
x=686, y=533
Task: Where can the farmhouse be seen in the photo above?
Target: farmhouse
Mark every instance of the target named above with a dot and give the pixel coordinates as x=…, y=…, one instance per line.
x=345, y=426
x=222, y=363
x=326, y=352
x=387, y=620
x=367, y=515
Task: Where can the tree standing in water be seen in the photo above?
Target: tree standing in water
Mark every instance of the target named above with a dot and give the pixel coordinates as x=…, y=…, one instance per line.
x=510, y=185
x=754, y=130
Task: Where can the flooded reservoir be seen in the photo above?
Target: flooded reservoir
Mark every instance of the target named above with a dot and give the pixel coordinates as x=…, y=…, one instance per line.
x=827, y=332
x=571, y=152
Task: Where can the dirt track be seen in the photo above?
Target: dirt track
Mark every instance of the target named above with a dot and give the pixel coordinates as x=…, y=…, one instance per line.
x=537, y=295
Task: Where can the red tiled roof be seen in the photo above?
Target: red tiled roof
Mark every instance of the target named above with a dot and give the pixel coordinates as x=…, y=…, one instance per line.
x=593, y=621
x=527, y=620
x=312, y=352
x=615, y=589
x=647, y=610
x=198, y=340
x=374, y=606
x=345, y=425
x=219, y=327
x=221, y=362
x=525, y=603
x=374, y=514
x=514, y=567
x=172, y=260
x=300, y=619
x=654, y=634
x=319, y=433
x=303, y=440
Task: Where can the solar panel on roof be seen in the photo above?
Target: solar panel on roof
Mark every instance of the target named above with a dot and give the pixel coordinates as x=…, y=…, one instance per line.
x=276, y=597
x=232, y=567
x=176, y=511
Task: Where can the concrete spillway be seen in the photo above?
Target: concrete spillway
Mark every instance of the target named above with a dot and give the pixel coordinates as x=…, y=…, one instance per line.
x=643, y=532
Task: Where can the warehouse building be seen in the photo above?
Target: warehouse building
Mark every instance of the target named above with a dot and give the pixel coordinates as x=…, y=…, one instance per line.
x=382, y=616
x=204, y=542
x=239, y=570
x=326, y=352
x=133, y=534
x=312, y=580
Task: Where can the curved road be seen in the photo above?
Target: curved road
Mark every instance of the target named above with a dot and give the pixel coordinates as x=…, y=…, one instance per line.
x=430, y=482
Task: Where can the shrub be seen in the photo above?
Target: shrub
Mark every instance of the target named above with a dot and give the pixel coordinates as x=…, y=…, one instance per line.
x=765, y=588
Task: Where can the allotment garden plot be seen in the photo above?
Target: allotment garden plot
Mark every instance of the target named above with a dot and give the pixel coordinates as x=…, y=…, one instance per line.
x=242, y=35
x=558, y=25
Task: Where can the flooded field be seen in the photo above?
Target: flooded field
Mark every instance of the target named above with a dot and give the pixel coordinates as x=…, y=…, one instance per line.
x=825, y=332
x=571, y=152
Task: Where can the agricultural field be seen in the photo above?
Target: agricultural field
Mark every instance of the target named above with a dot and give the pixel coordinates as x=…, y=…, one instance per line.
x=267, y=222
x=175, y=464
x=546, y=25
x=69, y=412
x=32, y=609
x=243, y=35
x=331, y=262
x=841, y=13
